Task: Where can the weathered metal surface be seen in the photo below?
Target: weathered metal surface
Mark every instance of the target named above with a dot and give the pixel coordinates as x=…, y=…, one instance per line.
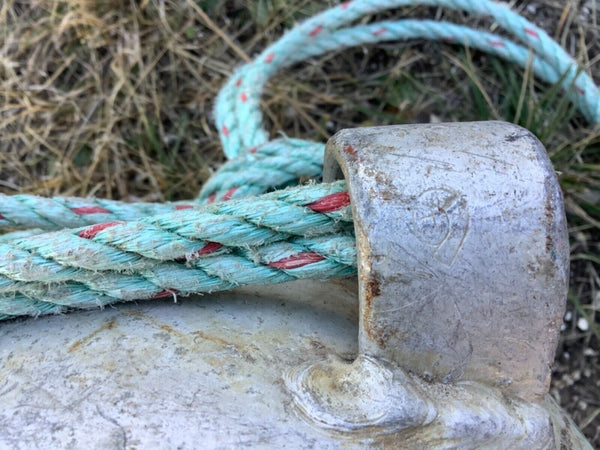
x=374, y=398
x=219, y=372
x=205, y=373
x=463, y=250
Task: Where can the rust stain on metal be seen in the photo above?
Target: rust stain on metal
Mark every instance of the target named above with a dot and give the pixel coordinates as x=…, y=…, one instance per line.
x=350, y=151
x=372, y=290
x=549, y=213
x=171, y=330
x=209, y=337
x=75, y=346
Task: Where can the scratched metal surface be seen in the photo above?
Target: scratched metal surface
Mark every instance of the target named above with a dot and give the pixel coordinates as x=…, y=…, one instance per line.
x=463, y=250
x=206, y=372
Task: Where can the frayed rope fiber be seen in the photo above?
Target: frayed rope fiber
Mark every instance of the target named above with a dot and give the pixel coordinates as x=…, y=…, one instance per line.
x=86, y=253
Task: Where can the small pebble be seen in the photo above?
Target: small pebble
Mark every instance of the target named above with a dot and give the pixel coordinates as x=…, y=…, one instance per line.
x=583, y=324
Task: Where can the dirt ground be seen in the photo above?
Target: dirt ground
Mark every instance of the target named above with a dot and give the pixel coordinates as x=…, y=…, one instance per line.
x=114, y=99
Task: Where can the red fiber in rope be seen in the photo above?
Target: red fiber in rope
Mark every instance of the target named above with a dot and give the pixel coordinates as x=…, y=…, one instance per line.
x=229, y=193
x=295, y=261
x=90, y=210
x=330, y=203
x=531, y=32
x=316, y=30
x=165, y=293
x=210, y=247
x=92, y=231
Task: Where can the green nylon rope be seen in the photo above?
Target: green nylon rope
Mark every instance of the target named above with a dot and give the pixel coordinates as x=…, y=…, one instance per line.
x=86, y=253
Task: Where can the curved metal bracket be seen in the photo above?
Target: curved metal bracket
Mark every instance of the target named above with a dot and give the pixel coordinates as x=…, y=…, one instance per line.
x=463, y=263
x=463, y=250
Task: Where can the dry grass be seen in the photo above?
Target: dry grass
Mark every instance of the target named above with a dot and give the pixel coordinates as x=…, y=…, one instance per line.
x=113, y=99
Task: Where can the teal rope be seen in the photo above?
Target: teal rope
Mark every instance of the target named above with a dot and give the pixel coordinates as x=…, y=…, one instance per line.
x=135, y=245
x=31, y=211
x=86, y=289
x=48, y=272
x=239, y=119
x=109, y=251
x=273, y=165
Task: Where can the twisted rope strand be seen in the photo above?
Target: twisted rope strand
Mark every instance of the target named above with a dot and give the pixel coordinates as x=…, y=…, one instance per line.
x=31, y=211
x=274, y=165
x=323, y=257
x=251, y=79
x=212, y=248
x=129, y=246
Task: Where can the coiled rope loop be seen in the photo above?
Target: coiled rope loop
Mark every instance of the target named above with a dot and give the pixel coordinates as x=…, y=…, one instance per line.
x=84, y=253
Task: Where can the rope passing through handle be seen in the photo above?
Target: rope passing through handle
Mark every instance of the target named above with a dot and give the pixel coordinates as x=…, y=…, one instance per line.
x=85, y=253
